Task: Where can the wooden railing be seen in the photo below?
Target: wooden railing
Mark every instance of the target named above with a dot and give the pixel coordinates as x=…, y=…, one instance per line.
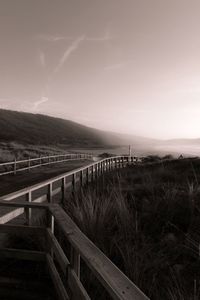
x=62, y=184
x=59, y=264
x=65, y=271
x=27, y=164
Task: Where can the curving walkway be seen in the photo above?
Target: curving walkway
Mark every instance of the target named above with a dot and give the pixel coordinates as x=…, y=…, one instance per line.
x=64, y=266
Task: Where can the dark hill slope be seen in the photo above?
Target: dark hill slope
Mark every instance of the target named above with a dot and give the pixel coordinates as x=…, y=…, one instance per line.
x=30, y=128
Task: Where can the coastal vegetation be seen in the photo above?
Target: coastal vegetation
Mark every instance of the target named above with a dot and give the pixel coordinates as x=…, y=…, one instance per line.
x=146, y=219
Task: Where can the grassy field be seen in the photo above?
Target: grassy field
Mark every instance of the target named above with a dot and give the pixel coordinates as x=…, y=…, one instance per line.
x=147, y=220
x=11, y=150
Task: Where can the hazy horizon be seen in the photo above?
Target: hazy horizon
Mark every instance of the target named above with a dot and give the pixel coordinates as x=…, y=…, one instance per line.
x=130, y=66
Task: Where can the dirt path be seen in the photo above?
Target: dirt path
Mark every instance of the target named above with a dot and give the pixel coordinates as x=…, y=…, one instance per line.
x=12, y=183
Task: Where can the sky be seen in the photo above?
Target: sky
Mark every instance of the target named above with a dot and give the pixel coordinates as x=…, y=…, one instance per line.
x=130, y=66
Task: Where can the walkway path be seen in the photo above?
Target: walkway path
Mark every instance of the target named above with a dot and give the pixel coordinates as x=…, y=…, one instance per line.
x=12, y=183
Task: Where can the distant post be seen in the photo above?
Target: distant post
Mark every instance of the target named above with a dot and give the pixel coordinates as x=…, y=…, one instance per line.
x=29, y=164
x=129, y=153
x=15, y=166
x=129, y=150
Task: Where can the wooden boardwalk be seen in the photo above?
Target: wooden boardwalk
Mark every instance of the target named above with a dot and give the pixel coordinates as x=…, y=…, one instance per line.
x=64, y=267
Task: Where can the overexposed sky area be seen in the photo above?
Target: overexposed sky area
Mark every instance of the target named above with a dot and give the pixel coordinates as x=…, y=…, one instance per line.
x=129, y=66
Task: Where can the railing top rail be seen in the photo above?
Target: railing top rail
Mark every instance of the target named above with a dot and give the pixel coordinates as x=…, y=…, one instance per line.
x=42, y=157
x=56, y=156
x=34, y=187
x=7, y=163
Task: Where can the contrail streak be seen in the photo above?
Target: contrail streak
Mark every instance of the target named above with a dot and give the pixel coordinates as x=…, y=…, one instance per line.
x=38, y=103
x=75, y=44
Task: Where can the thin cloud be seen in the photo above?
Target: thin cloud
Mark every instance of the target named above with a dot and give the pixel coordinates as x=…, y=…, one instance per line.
x=56, y=38
x=74, y=46
x=38, y=103
x=53, y=38
x=42, y=58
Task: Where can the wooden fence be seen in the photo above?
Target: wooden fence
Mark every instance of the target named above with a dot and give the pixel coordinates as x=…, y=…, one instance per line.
x=27, y=164
x=65, y=269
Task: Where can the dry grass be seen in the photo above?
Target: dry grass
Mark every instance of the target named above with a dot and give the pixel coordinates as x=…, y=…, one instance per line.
x=11, y=151
x=147, y=220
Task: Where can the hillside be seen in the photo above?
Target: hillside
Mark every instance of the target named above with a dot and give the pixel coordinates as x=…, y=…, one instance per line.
x=37, y=129
x=27, y=128
x=41, y=130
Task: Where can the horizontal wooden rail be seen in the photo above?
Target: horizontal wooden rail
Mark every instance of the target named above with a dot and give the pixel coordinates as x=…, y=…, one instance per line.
x=22, y=254
x=28, y=164
x=22, y=230
x=25, y=205
x=60, y=288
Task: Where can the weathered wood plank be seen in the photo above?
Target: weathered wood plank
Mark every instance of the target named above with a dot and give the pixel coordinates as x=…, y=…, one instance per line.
x=60, y=289
x=41, y=199
x=11, y=215
x=75, y=285
x=56, y=191
x=24, y=204
x=75, y=261
x=59, y=253
x=22, y=230
x=22, y=254
x=28, y=211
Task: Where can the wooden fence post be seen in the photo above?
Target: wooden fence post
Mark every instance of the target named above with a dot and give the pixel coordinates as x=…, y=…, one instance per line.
x=112, y=164
x=28, y=211
x=63, y=188
x=109, y=164
x=75, y=261
x=15, y=166
x=29, y=164
x=87, y=175
x=50, y=219
x=81, y=178
x=96, y=171
x=51, y=226
x=99, y=169
x=92, y=174
x=123, y=162
x=73, y=183
x=49, y=193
